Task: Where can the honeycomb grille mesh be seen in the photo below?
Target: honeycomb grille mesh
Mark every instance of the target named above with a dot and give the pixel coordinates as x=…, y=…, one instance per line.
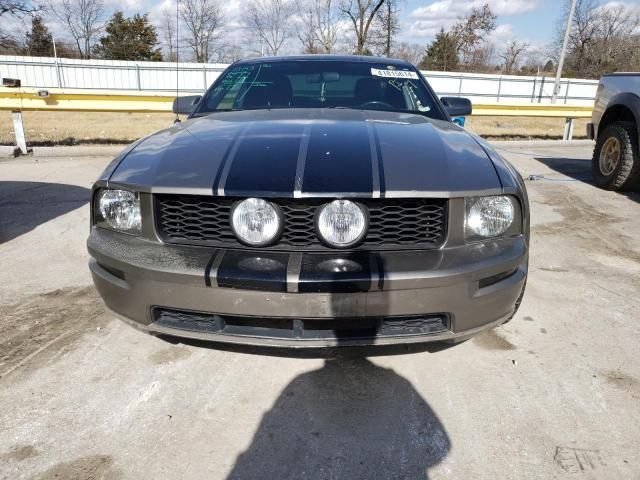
x=394, y=223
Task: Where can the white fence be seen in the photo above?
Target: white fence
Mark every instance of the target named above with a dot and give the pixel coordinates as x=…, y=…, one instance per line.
x=45, y=72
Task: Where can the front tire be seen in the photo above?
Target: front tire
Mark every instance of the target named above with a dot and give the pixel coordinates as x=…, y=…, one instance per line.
x=616, y=161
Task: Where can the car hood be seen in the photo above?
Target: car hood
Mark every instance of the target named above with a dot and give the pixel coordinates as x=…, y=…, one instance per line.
x=310, y=153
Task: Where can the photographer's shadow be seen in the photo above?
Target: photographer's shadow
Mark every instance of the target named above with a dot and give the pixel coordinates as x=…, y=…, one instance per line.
x=349, y=419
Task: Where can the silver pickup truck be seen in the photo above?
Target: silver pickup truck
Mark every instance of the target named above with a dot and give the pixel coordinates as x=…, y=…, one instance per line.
x=615, y=126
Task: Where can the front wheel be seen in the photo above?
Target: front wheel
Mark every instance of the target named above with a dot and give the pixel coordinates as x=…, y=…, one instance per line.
x=616, y=162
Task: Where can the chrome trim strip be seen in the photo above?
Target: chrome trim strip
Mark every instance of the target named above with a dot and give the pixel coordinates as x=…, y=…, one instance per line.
x=407, y=194
x=293, y=272
x=232, y=154
x=213, y=273
x=375, y=169
x=204, y=191
x=376, y=274
x=302, y=161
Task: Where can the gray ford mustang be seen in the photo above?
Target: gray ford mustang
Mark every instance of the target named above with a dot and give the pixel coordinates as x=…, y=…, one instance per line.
x=312, y=201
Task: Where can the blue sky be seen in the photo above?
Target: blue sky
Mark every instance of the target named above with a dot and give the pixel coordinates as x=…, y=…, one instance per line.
x=538, y=25
x=531, y=21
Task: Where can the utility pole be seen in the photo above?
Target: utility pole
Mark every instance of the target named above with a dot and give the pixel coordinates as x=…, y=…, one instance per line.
x=55, y=55
x=556, y=85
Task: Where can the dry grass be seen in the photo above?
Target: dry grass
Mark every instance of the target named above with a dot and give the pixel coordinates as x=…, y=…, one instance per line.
x=70, y=128
x=511, y=128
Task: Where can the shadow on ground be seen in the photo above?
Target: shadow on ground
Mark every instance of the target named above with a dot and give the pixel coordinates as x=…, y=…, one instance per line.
x=26, y=205
x=349, y=419
x=578, y=169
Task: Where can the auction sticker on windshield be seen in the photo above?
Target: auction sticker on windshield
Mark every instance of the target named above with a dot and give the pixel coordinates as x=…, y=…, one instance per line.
x=377, y=72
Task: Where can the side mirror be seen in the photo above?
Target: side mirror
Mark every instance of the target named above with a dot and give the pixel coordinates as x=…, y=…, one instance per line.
x=457, y=106
x=185, y=105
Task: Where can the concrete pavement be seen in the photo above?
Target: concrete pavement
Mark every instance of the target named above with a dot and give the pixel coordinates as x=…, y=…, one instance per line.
x=553, y=394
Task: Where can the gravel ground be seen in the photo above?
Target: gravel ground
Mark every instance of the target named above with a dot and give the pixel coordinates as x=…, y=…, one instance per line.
x=553, y=394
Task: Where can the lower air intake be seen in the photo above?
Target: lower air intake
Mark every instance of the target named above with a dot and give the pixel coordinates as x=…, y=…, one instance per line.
x=303, y=329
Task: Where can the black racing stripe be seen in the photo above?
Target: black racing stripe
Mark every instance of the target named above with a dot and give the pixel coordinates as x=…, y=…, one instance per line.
x=253, y=270
x=265, y=162
x=376, y=139
x=338, y=159
x=327, y=273
x=225, y=159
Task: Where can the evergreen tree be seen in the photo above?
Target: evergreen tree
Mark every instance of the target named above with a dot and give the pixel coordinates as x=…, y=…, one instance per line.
x=131, y=38
x=39, y=42
x=442, y=54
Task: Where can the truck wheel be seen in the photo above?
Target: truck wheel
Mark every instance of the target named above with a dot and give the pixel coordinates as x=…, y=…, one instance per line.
x=616, y=163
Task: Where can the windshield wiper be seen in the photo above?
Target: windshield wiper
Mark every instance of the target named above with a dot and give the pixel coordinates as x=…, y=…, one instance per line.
x=396, y=110
x=204, y=114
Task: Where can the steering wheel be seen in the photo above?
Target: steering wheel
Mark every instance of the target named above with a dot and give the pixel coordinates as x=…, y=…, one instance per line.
x=376, y=104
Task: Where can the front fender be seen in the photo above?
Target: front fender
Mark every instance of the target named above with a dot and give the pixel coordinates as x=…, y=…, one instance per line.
x=628, y=100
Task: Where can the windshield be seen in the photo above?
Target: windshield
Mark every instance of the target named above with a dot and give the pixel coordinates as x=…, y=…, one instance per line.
x=320, y=84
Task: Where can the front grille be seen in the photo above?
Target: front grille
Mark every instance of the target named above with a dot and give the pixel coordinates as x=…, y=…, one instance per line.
x=304, y=328
x=394, y=223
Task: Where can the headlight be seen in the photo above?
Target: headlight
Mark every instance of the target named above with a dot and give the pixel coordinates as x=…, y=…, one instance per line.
x=342, y=223
x=256, y=222
x=492, y=216
x=118, y=210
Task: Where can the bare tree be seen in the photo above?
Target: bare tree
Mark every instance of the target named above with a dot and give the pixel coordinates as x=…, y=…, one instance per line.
x=17, y=8
x=535, y=61
x=204, y=22
x=470, y=33
x=228, y=53
x=388, y=18
x=481, y=59
x=361, y=13
x=328, y=24
x=585, y=28
x=320, y=25
x=604, y=38
x=511, y=55
x=411, y=52
x=83, y=19
x=270, y=23
x=618, y=42
x=307, y=30
x=168, y=31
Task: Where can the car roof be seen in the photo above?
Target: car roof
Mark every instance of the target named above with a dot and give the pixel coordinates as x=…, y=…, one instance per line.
x=326, y=58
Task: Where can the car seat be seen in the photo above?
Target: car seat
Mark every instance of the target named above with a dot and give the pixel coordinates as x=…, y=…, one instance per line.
x=270, y=91
x=378, y=90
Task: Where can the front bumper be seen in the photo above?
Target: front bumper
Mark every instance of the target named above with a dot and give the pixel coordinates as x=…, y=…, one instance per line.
x=295, y=300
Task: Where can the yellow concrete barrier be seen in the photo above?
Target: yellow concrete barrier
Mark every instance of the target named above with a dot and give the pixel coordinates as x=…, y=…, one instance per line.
x=26, y=99
x=18, y=100
x=76, y=100
x=532, y=110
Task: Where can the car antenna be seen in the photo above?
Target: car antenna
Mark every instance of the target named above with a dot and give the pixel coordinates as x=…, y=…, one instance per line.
x=177, y=119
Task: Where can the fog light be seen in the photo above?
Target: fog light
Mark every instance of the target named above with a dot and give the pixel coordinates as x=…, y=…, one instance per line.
x=342, y=223
x=256, y=222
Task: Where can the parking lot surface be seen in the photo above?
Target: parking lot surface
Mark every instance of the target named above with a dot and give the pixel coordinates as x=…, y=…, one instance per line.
x=553, y=394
